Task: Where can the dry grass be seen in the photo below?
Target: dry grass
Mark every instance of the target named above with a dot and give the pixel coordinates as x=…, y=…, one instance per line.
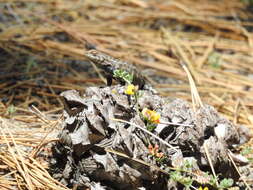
x=214, y=39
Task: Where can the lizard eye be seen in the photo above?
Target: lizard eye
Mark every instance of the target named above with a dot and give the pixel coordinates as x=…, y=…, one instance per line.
x=93, y=52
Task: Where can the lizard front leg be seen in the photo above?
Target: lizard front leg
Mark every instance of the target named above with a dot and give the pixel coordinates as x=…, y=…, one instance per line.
x=108, y=80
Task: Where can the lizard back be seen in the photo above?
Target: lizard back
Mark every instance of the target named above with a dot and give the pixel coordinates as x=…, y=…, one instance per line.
x=110, y=64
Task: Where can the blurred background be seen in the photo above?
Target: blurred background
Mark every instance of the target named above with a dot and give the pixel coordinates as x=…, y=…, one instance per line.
x=42, y=43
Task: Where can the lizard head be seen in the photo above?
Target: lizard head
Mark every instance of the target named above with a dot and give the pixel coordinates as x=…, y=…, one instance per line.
x=95, y=56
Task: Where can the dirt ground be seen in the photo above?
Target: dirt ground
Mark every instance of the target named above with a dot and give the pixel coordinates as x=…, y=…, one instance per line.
x=62, y=127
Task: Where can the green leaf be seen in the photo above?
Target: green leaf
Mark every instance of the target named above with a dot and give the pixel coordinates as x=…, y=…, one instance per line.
x=226, y=183
x=127, y=77
x=151, y=127
x=187, y=165
x=186, y=181
x=11, y=109
x=247, y=150
x=31, y=62
x=214, y=60
x=175, y=175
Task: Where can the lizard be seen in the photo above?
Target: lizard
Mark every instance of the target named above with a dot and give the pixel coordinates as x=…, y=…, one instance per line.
x=110, y=64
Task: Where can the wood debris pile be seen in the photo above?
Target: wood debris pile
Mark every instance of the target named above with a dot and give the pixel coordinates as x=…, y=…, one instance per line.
x=97, y=148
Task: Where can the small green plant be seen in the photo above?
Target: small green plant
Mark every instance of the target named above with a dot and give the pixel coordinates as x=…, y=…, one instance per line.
x=226, y=183
x=247, y=2
x=246, y=151
x=187, y=165
x=214, y=60
x=181, y=175
x=151, y=127
x=126, y=76
x=184, y=180
x=30, y=63
x=10, y=110
x=212, y=180
x=185, y=176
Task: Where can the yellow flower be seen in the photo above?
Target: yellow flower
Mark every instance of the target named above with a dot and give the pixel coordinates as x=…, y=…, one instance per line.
x=131, y=89
x=205, y=188
x=155, y=118
x=151, y=116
